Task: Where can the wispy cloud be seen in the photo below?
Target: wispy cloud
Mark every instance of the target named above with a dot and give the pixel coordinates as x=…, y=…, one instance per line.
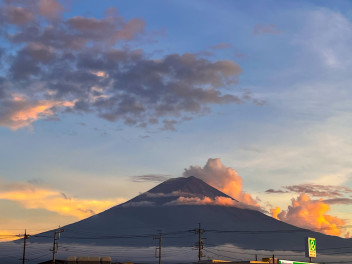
x=275, y=191
x=32, y=196
x=329, y=42
x=150, y=178
x=138, y=204
x=315, y=190
x=221, y=46
x=222, y=201
x=266, y=29
x=318, y=190
x=338, y=201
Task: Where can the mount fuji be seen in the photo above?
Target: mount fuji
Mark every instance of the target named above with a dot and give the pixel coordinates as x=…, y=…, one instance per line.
x=175, y=208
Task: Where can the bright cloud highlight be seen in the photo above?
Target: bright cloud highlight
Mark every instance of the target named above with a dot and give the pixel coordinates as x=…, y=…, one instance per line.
x=311, y=214
x=21, y=112
x=223, y=178
x=33, y=197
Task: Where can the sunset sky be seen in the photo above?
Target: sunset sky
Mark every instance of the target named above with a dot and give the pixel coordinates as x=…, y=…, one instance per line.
x=102, y=101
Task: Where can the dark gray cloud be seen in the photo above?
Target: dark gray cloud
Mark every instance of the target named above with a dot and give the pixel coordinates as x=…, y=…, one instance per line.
x=338, y=201
x=36, y=181
x=65, y=196
x=318, y=190
x=150, y=178
x=84, y=61
x=17, y=15
x=275, y=191
x=221, y=46
x=336, y=193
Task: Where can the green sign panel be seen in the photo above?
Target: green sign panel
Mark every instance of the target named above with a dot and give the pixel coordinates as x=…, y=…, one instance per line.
x=311, y=247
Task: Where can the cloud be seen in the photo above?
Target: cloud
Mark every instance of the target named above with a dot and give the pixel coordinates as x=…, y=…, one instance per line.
x=275, y=212
x=90, y=61
x=318, y=190
x=172, y=194
x=17, y=15
x=8, y=235
x=221, y=46
x=315, y=190
x=138, y=204
x=36, y=197
x=330, y=42
x=223, y=178
x=50, y=8
x=338, y=201
x=18, y=111
x=265, y=29
x=275, y=191
x=222, y=201
x=150, y=178
x=310, y=214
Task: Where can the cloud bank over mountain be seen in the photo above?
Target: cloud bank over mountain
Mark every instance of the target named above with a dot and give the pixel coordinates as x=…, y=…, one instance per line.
x=223, y=178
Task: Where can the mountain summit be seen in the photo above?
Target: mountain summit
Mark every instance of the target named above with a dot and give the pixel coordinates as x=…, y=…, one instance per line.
x=177, y=191
x=177, y=206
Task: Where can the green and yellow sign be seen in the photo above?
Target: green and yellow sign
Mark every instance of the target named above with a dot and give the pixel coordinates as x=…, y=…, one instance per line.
x=311, y=247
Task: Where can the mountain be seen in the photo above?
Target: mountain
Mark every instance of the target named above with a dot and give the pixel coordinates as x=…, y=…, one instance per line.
x=176, y=207
x=171, y=190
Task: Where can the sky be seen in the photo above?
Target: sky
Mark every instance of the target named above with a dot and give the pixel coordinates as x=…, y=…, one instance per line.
x=101, y=102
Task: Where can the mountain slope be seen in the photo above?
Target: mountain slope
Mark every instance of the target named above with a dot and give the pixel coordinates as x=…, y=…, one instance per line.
x=162, y=208
x=173, y=189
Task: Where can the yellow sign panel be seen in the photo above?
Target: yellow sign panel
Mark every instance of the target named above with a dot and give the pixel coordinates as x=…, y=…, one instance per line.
x=311, y=247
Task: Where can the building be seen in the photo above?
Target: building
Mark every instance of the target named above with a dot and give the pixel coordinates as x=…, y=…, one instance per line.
x=89, y=260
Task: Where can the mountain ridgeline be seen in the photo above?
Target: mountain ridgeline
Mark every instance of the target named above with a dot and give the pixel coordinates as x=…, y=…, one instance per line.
x=175, y=208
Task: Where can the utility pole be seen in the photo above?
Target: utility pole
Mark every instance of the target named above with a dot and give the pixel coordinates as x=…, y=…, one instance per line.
x=25, y=237
x=56, y=243
x=159, y=248
x=199, y=245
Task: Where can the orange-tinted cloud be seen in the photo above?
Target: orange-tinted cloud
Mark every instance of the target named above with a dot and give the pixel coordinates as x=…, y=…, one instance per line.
x=275, y=212
x=33, y=197
x=7, y=235
x=22, y=112
x=311, y=214
x=223, y=178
